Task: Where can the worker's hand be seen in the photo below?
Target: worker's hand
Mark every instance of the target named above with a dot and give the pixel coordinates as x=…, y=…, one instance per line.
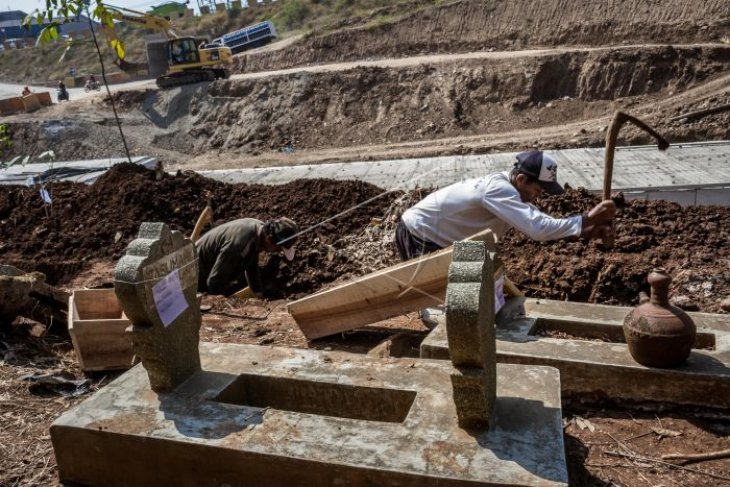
x=597, y=232
x=601, y=214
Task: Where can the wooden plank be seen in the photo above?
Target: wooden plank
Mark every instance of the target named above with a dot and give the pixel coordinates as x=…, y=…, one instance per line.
x=399, y=289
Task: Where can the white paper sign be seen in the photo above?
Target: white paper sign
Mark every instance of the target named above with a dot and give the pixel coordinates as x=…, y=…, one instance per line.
x=498, y=294
x=169, y=298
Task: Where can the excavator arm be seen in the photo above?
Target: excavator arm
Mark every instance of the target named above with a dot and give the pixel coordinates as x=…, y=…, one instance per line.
x=144, y=20
x=189, y=60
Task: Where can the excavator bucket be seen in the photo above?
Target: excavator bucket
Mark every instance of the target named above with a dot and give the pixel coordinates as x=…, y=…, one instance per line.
x=131, y=68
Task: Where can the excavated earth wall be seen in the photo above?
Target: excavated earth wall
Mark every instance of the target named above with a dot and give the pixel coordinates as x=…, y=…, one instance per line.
x=475, y=25
x=373, y=105
x=379, y=105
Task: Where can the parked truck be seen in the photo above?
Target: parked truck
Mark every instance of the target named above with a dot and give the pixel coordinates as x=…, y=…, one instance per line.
x=249, y=37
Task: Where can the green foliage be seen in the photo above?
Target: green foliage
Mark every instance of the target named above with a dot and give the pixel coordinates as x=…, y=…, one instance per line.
x=344, y=5
x=61, y=11
x=6, y=141
x=293, y=13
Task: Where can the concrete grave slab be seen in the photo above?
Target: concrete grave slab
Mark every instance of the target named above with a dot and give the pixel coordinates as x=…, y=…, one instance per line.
x=605, y=369
x=261, y=416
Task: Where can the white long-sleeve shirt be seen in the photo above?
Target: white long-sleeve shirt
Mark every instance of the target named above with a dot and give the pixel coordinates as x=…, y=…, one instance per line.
x=462, y=209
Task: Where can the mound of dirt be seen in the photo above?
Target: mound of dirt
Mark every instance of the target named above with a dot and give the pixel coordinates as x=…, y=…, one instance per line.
x=692, y=243
x=87, y=223
x=93, y=222
x=475, y=25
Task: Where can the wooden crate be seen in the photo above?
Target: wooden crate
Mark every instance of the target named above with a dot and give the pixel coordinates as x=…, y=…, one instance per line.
x=96, y=324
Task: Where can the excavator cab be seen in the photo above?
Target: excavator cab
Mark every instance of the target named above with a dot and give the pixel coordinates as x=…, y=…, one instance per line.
x=182, y=51
x=186, y=62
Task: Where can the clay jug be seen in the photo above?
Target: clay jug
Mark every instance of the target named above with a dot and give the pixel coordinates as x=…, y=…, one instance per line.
x=657, y=333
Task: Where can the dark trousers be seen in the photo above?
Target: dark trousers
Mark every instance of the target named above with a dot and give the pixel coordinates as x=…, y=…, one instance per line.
x=410, y=246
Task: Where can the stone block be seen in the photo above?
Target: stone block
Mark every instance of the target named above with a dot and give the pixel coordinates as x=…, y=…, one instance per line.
x=9, y=106
x=271, y=417
x=470, y=328
x=593, y=369
x=474, y=394
x=169, y=351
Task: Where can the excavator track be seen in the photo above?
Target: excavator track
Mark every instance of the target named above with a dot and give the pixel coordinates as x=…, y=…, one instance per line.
x=191, y=76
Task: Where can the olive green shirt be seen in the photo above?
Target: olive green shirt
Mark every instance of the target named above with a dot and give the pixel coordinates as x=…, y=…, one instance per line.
x=228, y=257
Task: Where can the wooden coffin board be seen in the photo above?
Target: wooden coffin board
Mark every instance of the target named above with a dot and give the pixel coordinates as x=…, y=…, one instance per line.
x=410, y=286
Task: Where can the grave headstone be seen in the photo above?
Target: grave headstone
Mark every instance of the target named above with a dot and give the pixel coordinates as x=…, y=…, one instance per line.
x=470, y=331
x=156, y=283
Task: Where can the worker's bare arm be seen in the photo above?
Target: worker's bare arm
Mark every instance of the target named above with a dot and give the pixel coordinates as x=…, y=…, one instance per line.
x=598, y=222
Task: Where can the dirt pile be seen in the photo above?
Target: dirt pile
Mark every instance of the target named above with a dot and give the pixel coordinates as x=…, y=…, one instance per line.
x=692, y=243
x=475, y=25
x=98, y=221
x=94, y=222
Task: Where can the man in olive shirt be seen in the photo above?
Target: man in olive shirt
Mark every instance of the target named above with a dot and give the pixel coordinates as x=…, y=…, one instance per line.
x=228, y=255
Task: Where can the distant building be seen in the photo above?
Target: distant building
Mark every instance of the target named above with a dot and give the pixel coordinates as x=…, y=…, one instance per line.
x=78, y=27
x=11, y=26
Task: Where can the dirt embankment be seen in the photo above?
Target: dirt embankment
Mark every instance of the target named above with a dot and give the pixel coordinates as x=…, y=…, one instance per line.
x=366, y=106
x=370, y=106
x=476, y=25
x=88, y=223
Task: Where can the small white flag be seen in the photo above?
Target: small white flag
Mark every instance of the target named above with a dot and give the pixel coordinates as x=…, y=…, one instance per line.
x=45, y=196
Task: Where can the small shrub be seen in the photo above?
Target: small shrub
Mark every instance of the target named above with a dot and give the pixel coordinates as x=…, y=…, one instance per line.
x=293, y=13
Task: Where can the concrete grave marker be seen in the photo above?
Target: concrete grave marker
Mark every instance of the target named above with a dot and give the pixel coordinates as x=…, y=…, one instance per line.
x=276, y=417
x=156, y=283
x=470, y=330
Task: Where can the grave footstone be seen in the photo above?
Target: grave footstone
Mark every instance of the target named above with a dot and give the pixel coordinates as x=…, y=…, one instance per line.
x=470, y=331
x=156, y=284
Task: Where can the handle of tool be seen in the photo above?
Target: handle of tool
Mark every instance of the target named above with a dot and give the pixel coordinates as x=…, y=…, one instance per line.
x=245, y=293
x=619, y=118
x=205, y=217
x=511, y=289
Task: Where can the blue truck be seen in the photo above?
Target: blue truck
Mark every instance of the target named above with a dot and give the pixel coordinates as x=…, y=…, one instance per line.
x=249, y=37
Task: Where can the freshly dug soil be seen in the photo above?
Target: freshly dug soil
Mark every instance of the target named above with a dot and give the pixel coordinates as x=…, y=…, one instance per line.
x=88, y=223
x=691, y=243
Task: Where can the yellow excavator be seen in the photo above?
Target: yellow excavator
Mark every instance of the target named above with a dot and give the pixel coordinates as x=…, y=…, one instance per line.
x=189, y=60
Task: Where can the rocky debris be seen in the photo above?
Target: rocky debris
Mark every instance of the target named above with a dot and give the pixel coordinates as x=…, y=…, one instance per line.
x=725, y=305
x=27, y=295
x=684, y=302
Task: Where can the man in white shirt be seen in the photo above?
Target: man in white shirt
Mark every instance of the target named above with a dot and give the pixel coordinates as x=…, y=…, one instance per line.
x=497, y=201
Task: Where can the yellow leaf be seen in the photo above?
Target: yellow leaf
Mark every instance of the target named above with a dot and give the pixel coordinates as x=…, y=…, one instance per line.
x=118, y=46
